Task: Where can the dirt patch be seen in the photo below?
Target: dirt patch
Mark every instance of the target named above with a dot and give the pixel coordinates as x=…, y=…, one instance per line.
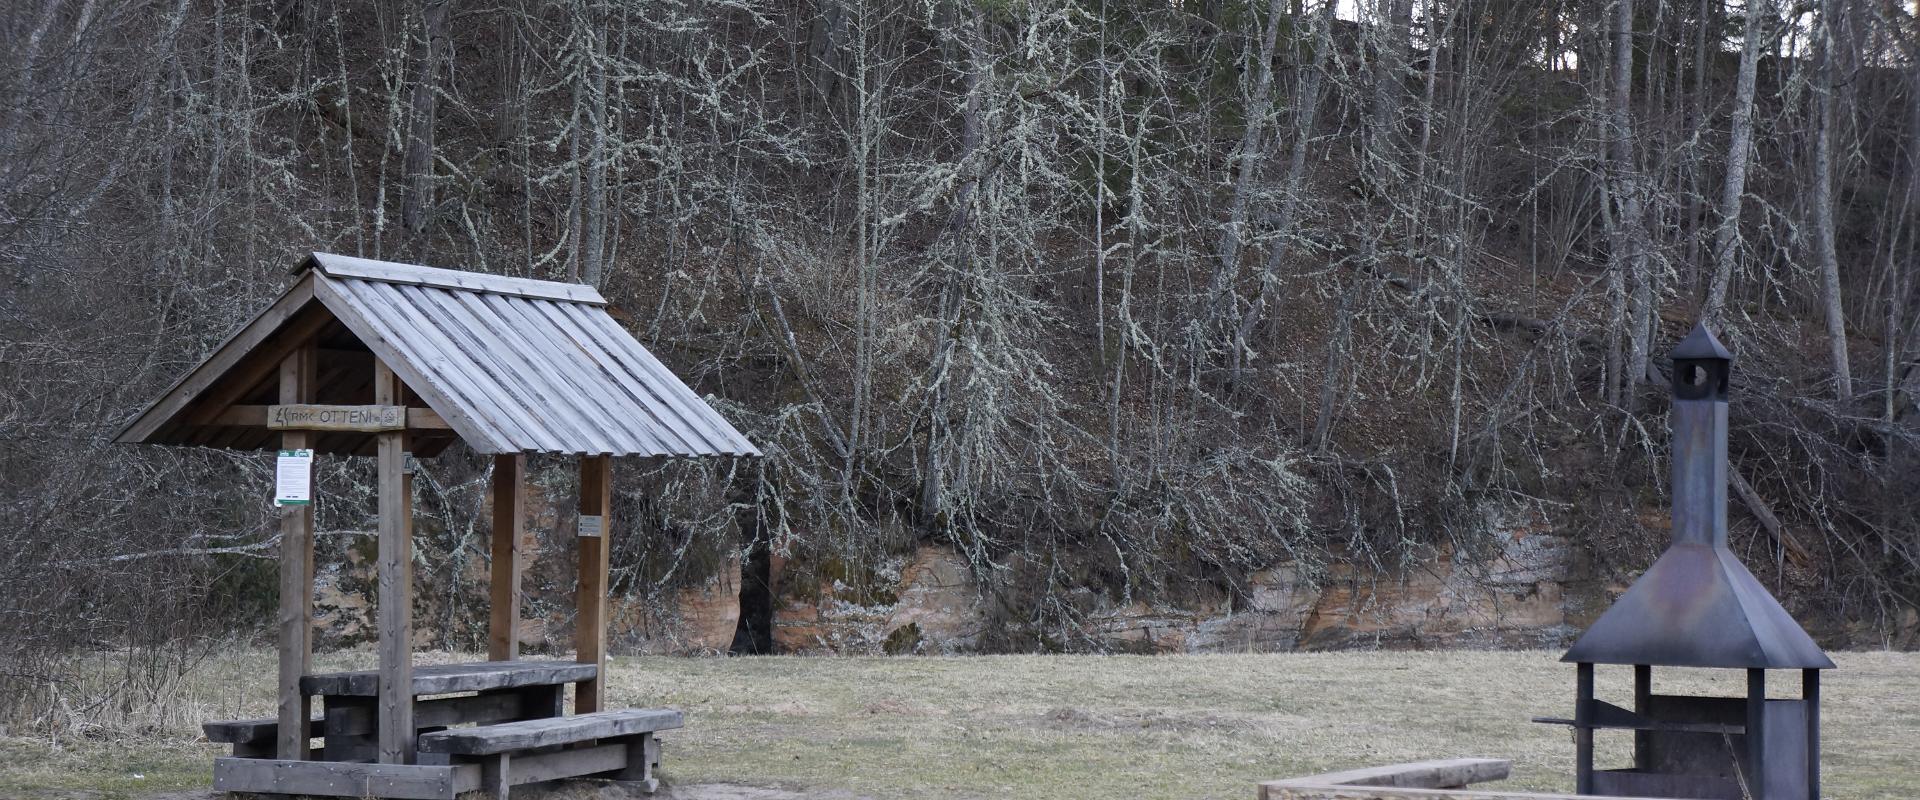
x=1068, y=718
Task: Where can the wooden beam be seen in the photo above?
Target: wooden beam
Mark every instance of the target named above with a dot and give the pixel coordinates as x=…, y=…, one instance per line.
x=337, y=779
x=509, y=522
x=247, y=416
x=250, y=371
x=1452, y=773
x=296, y=578
x=396, y=733
x=230, y=352
x=590, y=625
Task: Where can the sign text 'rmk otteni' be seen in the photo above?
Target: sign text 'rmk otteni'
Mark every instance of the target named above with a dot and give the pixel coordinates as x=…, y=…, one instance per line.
x=336, y=418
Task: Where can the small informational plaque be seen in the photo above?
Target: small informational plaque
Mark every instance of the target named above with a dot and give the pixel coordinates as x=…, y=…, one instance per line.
x=591, y=525
x=293, y=478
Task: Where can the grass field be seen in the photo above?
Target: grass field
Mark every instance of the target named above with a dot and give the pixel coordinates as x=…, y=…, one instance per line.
x=1055, y=726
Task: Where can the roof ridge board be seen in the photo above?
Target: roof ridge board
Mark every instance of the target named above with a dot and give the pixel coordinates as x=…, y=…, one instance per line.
x=340, y=267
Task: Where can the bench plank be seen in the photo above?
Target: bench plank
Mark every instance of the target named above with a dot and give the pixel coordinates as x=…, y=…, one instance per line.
x=576, y=763
x=511, y=736
x=249, y=731
x=437, y=713
x=450, y=678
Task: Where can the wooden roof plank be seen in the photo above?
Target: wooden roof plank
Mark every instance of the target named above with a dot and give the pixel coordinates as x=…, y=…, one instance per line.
x=566, y=403
x=562, y=349
x=480, y=435
x=662, y=403
x=665, y=382
x=536, y=405
x=457, y=367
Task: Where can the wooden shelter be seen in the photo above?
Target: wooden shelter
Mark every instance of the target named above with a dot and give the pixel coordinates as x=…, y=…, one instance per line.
x=370, y=358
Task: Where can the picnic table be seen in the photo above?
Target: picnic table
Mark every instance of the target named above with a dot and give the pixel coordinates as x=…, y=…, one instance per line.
x=517, y=731
x=445, y=695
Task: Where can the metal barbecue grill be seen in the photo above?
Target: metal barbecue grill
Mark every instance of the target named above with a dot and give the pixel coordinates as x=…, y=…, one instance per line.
x=1699, y=607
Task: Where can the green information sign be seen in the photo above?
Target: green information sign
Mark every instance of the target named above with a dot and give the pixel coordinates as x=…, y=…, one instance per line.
x=293, y=478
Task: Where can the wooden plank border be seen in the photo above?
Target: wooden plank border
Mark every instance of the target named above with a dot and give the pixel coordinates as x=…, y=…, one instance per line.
x=344, y=779
x=366, y=269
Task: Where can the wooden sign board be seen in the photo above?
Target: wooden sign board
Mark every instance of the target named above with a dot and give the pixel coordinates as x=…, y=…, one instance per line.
x=336, y=418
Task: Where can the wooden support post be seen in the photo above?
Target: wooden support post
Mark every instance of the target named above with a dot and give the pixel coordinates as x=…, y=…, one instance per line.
x=496, y=775
x=1756, y=733
x=396, y=732
x=1583, y=728
x=296, y=577
x=1642, y=695
x=642, y=750
x=1810, y=692
x=590, y=625
x=343, y=743
x=509, y=520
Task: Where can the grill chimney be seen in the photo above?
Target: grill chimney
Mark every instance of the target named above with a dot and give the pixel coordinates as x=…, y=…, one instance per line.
x=1698, y=606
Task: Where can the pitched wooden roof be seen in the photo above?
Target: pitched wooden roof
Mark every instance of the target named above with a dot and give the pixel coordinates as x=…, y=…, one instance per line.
x=509, y=364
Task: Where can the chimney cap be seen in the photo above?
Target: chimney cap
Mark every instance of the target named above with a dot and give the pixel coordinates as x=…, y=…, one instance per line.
x=1699, y=345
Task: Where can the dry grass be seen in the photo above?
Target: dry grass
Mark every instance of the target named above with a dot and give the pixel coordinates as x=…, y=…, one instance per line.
x=1065, y=726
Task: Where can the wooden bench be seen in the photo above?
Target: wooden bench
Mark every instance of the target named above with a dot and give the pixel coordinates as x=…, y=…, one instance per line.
x=252, y=738
x=619, y=745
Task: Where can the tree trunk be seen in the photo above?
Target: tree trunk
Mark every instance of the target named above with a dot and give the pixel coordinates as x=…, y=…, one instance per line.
x=1247, y=156
x=960, y=228
x=416, y=204
x=1726, y=240
x=593, y=206
x=1630, y=242
x=1823, y=233
x=1389, y=73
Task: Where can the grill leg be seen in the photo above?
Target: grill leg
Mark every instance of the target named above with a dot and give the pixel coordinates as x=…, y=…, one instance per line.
x=1583, y=729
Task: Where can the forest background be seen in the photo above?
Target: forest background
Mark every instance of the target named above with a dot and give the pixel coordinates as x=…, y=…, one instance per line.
x=1119, y=302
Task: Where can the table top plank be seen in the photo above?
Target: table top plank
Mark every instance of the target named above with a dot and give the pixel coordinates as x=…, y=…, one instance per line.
x=450, y=678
